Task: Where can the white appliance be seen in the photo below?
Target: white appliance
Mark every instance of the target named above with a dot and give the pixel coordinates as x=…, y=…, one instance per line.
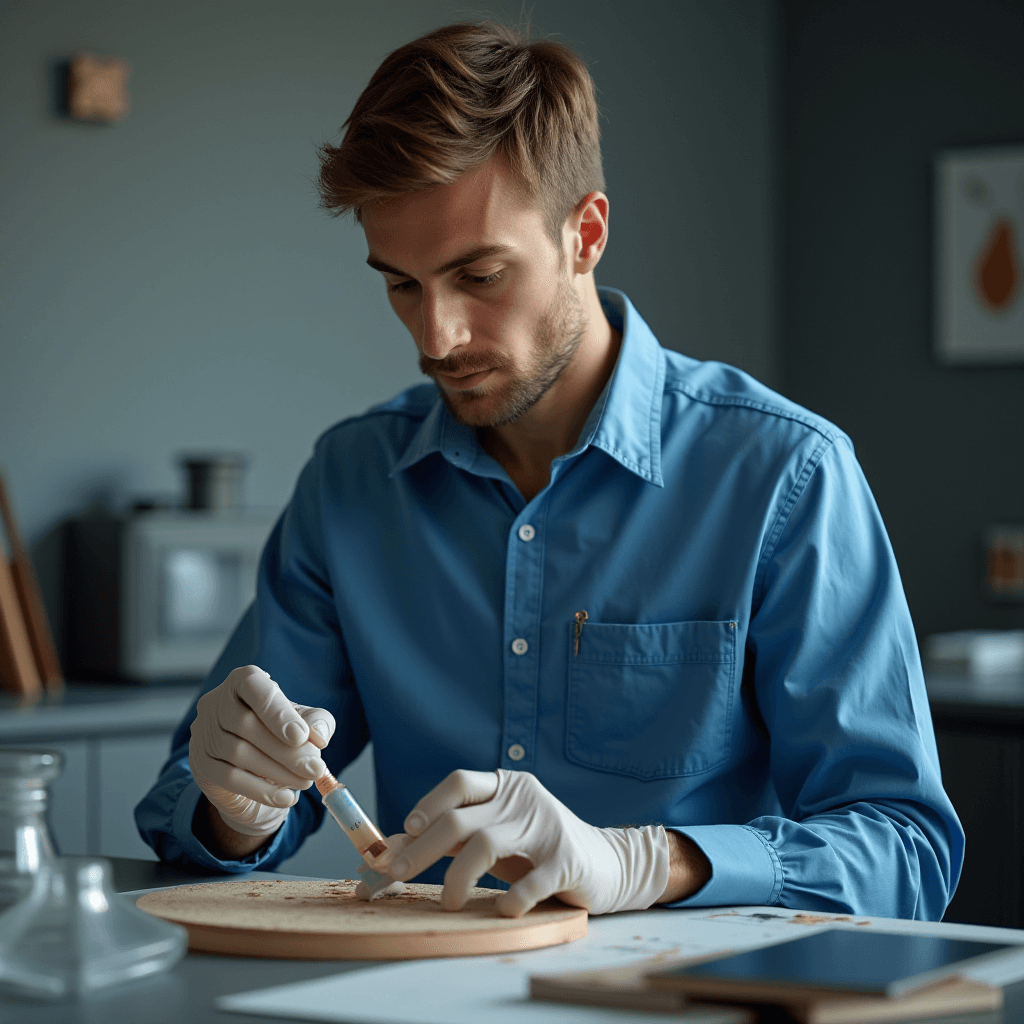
x=155, y=595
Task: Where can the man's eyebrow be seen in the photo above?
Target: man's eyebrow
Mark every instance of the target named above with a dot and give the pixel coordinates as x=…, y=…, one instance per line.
x=481, y=252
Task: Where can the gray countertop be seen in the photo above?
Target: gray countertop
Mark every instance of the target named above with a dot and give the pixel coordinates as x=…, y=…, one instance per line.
x=996, y=700
x=84, y=709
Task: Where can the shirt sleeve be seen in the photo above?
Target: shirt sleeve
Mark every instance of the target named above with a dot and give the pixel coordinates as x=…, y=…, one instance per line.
x=866, y=827
x=291, y=631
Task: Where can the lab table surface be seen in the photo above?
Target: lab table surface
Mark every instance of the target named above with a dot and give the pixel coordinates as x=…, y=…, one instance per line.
x=187, y=992
x=183, y=995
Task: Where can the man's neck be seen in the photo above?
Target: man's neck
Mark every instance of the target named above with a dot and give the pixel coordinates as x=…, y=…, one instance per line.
x=526, y=447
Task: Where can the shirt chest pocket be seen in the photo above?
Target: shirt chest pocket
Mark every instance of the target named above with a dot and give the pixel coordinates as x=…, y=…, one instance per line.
x=652, y=701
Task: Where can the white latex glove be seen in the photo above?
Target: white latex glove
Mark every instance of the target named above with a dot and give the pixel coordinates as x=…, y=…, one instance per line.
x=252, y=748
x=507, y=823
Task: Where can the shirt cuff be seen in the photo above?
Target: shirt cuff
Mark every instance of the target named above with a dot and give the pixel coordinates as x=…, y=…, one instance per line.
x=181, y=828
x=745, y=869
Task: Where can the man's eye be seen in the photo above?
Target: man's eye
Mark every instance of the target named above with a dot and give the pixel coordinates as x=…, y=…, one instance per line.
x=488, y=279
x=407, y=285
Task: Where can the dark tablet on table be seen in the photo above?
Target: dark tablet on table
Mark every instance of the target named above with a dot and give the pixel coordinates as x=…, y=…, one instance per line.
x=835, y=960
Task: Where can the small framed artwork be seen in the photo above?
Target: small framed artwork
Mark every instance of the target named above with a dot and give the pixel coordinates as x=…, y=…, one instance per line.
x=979, y=294
x=98, y=88
x=1004, y=563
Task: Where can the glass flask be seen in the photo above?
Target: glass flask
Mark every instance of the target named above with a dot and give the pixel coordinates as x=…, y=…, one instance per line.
x=24, y=836
x=73, y=934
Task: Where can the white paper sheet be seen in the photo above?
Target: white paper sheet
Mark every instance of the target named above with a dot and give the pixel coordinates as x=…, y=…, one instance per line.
x=471, y=990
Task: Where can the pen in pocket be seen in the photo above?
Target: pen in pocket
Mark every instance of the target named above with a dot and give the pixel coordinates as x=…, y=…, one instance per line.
x=577, y=631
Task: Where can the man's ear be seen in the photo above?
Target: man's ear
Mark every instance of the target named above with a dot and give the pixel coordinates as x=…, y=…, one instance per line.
x=588, y=225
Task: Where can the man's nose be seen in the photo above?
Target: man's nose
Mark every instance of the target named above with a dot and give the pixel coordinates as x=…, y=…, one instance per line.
x=444, y=327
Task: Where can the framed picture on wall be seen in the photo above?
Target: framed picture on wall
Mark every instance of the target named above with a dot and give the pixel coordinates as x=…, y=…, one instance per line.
x=979, y=294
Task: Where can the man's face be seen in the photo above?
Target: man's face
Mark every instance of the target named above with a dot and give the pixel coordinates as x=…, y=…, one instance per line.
x=482, y=289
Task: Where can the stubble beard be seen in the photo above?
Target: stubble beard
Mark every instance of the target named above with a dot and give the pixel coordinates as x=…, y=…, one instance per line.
x=556, y=340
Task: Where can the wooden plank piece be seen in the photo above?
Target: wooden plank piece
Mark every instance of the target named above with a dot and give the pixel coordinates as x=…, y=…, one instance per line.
x=26, y=584
x=18, y=671
x=319, y=919
x=955, y=996
x=625, y=987
x=818, y=1006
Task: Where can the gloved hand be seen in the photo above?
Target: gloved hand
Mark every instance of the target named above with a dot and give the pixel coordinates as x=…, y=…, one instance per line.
x=252, y=748
x=507, y=823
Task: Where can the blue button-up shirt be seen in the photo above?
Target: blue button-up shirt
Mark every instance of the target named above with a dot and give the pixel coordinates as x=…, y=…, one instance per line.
x=747, y=673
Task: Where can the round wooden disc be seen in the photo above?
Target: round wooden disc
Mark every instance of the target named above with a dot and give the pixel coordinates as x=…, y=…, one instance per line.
x=318, y=919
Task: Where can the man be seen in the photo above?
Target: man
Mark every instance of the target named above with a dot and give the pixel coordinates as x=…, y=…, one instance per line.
x=623, y=627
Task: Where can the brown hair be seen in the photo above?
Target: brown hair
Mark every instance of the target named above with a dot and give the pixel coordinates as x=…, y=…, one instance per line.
x=446, y=103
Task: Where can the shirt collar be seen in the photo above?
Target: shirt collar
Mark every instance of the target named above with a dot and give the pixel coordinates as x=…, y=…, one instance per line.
x=625, y=421
x=441, y=432
x=629, y=423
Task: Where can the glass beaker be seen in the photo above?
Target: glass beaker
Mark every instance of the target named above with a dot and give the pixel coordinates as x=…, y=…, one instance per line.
x=25, y=843
x=73, y=934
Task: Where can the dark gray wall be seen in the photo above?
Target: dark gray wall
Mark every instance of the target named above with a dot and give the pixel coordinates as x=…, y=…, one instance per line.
x=168, y=283
x=871, y=90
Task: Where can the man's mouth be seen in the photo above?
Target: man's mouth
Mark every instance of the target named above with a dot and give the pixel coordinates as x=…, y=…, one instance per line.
x=464, y=381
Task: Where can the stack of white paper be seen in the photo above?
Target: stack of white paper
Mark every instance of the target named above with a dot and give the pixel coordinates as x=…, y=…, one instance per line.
x=977, y=651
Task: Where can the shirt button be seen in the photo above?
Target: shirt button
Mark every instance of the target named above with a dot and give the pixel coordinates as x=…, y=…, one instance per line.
x=519, y=646
x=527, y=532
x=516, y=752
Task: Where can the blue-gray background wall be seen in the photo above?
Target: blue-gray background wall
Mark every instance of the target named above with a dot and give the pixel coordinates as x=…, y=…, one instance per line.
x=871, y=91
x=168, y=283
